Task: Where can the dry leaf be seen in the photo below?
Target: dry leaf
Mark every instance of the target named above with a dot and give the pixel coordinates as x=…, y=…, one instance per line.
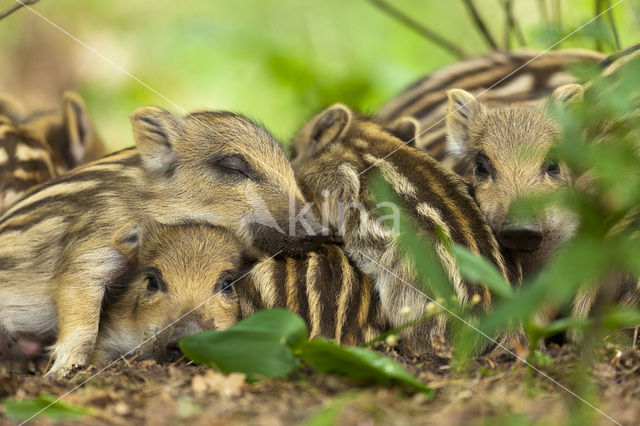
x=218, y=383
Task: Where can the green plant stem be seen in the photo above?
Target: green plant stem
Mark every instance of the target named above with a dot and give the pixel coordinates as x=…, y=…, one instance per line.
x=419, y=28
x=480, y=24
x=612, y=24
x=17, y=6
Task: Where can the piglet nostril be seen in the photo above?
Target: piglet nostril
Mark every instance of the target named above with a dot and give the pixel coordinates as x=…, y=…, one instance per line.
x=521, y=237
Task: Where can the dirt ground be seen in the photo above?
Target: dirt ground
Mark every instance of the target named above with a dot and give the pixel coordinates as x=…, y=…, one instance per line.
x=493, y=391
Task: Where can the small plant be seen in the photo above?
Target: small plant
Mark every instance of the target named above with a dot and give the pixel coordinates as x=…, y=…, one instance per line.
x=600, y=143
x=274, y=343
x=47, y=405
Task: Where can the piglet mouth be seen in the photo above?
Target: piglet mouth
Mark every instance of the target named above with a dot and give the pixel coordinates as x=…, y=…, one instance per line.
x=168, y=353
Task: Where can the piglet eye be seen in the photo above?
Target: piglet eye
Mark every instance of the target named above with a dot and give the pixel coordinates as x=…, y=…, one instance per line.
x=482, y=166
x=225, y=283
x=552, y=168
x=236, y=166
x=154, y=282
x=226, y=286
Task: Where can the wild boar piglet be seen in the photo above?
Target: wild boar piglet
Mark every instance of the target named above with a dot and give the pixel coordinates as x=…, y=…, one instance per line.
x=40, y=144
x=56, y=256
x=179, y=281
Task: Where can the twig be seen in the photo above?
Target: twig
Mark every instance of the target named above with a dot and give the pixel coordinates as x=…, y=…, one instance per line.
x=178, y=360
x=46, y=368
x=512, y=25
x=507, y=5
x=598, y=11
x=419, y=28
x=612, y=24
x=480, y=25
x=544, y=14
x=557, y=13
x=518, y=30
x=18, y=5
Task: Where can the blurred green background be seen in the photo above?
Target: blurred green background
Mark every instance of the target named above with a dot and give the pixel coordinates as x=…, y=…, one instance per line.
x=276, y=61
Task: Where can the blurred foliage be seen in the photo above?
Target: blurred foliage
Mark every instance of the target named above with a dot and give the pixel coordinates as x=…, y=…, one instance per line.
x=600, y=142
x=47, y=405
x=276, y=61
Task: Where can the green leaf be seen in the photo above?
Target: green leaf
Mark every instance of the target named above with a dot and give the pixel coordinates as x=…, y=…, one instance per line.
x=622, y=317
x=541, y=360
x=479, y=270
x=356, y=363
x=45, y=405
x=562, y=325
x=257, y=346
x=279, y=324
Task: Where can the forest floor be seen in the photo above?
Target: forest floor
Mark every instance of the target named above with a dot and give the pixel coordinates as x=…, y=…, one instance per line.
x=492, y=391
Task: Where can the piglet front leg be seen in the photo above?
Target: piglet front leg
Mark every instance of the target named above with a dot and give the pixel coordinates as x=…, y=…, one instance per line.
x=78, y=307
x=80, y=288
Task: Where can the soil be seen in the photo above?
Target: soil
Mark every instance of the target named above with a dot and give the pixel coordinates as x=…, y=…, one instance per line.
x=495, y=390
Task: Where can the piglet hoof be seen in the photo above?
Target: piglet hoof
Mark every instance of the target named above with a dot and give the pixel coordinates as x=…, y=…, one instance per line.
x=64, y=373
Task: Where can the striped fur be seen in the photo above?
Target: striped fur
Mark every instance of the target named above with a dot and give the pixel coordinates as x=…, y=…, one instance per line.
x=335, y=299
x=55, y=245
x=38, y=145
x=203, y=271
x=24, y=163
x=336, y=153
x=514, y=77
x=504, y=151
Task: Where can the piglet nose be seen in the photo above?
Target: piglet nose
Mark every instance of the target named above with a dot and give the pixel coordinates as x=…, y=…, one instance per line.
x=172, y=351
x=308, y=244
x=520, y=236
x=183, y=330
x=174, y=345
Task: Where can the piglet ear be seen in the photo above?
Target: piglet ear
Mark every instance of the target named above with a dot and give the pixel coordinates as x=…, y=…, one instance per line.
x=324, y=128
x=568, y=94
x=330, y=125
x=406, y=129
x=462, y=109
x=84, y=145
x=127, y=240
x=156, y=132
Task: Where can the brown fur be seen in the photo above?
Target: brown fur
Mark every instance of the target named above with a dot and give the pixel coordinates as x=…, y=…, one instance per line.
x=173, y=286
x=38, y=145
x=55, y=245
x=336, y=299
x=335, y=154
x=505, y=152
x=499, y=77
x=202, y=282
